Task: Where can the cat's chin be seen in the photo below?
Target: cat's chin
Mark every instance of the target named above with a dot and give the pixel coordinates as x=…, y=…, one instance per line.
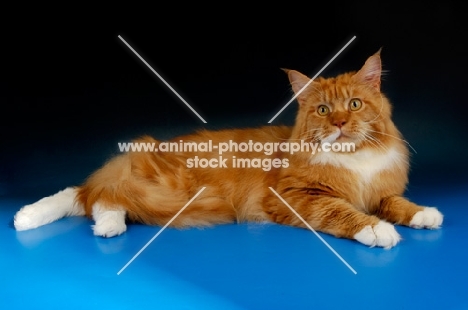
x=340, y=138
x=343, y=138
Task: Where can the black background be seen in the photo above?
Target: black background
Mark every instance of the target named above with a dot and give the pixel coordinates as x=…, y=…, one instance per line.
x=70, y=89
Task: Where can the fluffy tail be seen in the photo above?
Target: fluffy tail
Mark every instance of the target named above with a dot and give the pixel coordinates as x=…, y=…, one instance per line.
x=49, y=209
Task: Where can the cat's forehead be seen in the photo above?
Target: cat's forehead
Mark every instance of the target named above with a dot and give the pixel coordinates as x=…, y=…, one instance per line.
x=336, y=90
x=337, y=83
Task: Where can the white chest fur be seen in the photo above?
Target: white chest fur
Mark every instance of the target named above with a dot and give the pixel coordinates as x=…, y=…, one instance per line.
x=365, y=163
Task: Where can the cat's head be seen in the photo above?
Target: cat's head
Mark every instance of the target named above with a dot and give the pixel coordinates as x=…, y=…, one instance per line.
x=347, y=108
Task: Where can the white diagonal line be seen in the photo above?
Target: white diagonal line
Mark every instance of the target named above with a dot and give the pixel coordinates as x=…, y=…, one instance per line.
x=315, y=76
x=160, y=231
x=163, y=80
x=310, y=227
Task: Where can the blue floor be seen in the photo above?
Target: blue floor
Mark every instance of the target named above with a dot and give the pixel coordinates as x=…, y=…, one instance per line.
x=247, y=266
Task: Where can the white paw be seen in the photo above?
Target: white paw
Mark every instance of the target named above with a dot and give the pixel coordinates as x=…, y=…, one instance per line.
x=28, y=217
x=109, y=228
x=427, y=218
x=109, y=223
x=383, y=235
x=48, y=210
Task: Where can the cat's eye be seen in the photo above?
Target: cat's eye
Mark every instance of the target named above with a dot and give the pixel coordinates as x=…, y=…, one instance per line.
x=355, y=104
x=323, y=110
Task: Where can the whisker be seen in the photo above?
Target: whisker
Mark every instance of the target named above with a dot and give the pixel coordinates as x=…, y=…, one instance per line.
x=386, y=134
x=379, y=114
x=305, y=135
x=373, y=140
x=380, y=144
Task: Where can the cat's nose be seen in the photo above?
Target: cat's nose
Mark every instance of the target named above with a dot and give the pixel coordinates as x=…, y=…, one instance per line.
x=339, y=123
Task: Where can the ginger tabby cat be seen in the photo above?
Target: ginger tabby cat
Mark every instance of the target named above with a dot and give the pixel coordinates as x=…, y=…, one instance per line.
x=355, y=194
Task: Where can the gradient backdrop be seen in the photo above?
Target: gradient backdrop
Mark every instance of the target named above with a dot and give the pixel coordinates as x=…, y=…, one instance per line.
x=71, y=91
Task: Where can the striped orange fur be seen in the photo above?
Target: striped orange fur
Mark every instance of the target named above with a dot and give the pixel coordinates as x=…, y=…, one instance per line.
x=336, y=193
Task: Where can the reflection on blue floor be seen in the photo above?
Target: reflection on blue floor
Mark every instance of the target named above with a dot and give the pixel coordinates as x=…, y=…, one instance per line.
x=246, y=266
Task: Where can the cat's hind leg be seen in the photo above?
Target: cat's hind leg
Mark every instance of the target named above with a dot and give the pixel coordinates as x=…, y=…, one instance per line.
x=48, y=210
x=109, y=222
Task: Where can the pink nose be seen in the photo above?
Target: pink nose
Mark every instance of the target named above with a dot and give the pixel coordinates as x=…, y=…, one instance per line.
x=339, y=123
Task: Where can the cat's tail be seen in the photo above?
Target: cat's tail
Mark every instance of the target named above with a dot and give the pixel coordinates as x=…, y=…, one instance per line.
x=49, y=209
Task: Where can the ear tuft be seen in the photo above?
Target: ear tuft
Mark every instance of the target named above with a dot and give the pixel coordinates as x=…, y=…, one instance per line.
x=371, y=72
x=298, y=82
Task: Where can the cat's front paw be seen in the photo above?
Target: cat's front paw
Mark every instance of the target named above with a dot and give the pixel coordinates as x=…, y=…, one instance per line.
x=382, y=235
x=428, y=218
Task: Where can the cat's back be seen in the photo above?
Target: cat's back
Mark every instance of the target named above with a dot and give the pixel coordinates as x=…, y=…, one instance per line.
x=257, y=134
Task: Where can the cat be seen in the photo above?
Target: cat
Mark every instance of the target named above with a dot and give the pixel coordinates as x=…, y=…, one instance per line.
x=355, y=194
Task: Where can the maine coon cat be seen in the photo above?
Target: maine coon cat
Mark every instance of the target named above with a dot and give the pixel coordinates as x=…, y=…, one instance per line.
x=355, y=194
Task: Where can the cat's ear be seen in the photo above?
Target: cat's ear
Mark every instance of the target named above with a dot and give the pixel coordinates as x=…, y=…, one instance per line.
x=298, y=83
x=371, y=72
